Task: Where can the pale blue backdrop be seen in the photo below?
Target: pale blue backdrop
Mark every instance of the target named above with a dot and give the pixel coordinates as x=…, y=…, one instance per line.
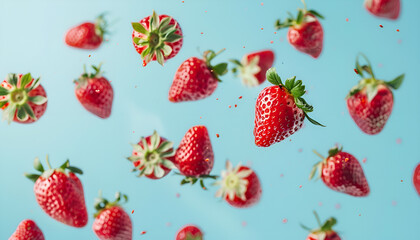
x=31, y=40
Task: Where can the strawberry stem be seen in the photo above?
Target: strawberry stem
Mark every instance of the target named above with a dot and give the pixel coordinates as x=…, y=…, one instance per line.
x=318, y=220
x=318, y=154
x=48, y=162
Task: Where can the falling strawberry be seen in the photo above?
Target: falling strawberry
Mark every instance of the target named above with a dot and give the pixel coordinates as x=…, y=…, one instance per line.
x=95, y=93
x=27, y=230
x=416, y=179
x=59, y=193
x=189, y=232
x=157, y=38
x=240, y=186
x=305, y=31
x=111, y=221
x=253, y=66
x=370, y=102
x=22, y=98
x=324, y=232
x=196, y=78
x=194, y=157
x=341, y=172
x=280, y=110
x=153, y=156
x=87, y=35
x=384, y=8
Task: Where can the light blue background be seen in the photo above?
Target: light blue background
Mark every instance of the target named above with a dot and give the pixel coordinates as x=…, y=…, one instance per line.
x=31, y=39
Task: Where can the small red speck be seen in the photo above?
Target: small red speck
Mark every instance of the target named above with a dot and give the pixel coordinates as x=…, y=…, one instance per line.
x=398, y=141
x=201, y=117
x=271, y=42
x=320, y=204
x=144, y=63
x=401, y=180
x=300, y=186
x=217, y=99
x=177, y=195
x=300, y=150
x=201, y=32
x=217, y=135
x=337, y=206
x=262, y=4
x=142, y=233
x=132, y=211
x=244, y=224
x=90, y=55
x=275, y=32
x=243, y=46
x=347, y=19
x=282, y=175
x=380, y=65
x=230, y=106
x=168, y=224
x=133, y=131
x=236, y=105
x=381, y=26
x=205, y=11
x=364, y=160
x=360, y=215
x=284, y=220
x=355, y=70
x=182, y=1
x=398, y=30
x=240, y=97
x=262, y=28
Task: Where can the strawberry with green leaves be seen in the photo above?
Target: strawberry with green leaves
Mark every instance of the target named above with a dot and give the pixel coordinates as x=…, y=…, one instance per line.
x=22, y=98
x=324, y=232
x=27, y=230
x=87, y=35
x=189, y=232
x=280, y=110
x=370, y=102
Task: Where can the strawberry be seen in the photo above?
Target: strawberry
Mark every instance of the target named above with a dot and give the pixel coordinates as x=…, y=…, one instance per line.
x=341, y=172
x=324, y=232
x=280, y=110
x=253, y=66
x=59, y=193
x=305, y=31
x=240, y=186
x=27, y=230
x=194, y=157
x=153, y=156
x=95, y=93
x=370, y=102
x=111, y=221
x=384, y=8
x=157, y=38
x=196, y=78
x=416, y=179
x=22, y=98
x=87, y=35
x=189, y=232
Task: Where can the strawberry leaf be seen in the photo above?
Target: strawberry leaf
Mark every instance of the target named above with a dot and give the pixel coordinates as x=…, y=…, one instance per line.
x=396, y=83
x=29, y=111
x=32, y=177
x=313, y=121
x=75, y=170
x=38, y=100
x=273, y=77
x=3, y=91
x=21, y=114
x=27, y=78
x=138, y=27
x=220, y=69
x=315, y=13
x=38, y=166
x=299, y=18
x=12, y=79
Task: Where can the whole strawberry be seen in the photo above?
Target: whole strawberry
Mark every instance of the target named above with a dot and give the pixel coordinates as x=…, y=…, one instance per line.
x=153, y=156
x=189, y=232
x=341, y=172
x=22, y=98
x=194, y=157
x=324, y=232
x=240, y=186
x=157, y=38
x=95, y=93
x=59, y=193
x=27, y=230
x=370, y=102
x=253, y=66
x=111, y=221
x=196, y=78
x=416, y=179
x=305, y=31
x=384, y=8
x=87, y=35
x=280, y=110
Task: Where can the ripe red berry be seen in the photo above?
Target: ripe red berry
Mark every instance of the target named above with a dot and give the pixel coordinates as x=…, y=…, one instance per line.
x=189, y=232
x=87, y=35
x=27, y=230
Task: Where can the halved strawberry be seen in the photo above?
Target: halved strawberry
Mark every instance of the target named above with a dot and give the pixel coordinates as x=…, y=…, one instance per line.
x=384, y=8
x=87, y=35
x=324, y=232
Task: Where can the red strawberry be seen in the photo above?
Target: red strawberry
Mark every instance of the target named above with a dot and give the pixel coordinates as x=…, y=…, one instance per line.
x=189, y=232
x=87, y=35
x=240, y=186
x=22, y=98
x=280, y=110
x=384, y=8
x=153, y=156
x=196, y=78
x=305, y=32
x=27, y=230
x=194, y=157
x=95, y=93
x=341, y=172
x=253, y=66
x=324, y=232
x=416, y=179
x=111, y=221
x=157, y=37
x=59, y=193
x=370, y=102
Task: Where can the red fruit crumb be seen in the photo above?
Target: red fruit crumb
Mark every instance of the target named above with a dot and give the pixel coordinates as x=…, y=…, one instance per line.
x=381, y=26
x=217, y=99
x=243, y=46
x=178, y=195
x=347, y=19
x=380, y=65
x=364, y=160
x=360, y=215
x=300, y=150
x=355, y=70
x=201, y=117
x=401, y=180
x=236, y=105
x=168, y=224
x=300, y=186
x=320, y=204
x=262, y=28
x=284, y=220
x=90, y=55
x=182, y=1
x=144, y=63
x=244, y=224
x=240, y=97
x=132, y=211
x=142, y=233
x=262, y=4
x=230, y=106
x=398, y=141
x=398, y=30
x=337, y=206
x=281, y=175
x=217, y=135
x=275, y=32
x=201, y=32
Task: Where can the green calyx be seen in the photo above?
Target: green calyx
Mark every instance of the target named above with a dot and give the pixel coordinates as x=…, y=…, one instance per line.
x=46, y=173
x=83, y=79
x=192, y=237
x=101, y=26
x=369, y=83
x=155, y=38
x=296, y=89
x=16, y=98
x=317, y=168
x=219, y=69
x=302, y=16
x=327, y=226
x=193, y=180
x=102, y=204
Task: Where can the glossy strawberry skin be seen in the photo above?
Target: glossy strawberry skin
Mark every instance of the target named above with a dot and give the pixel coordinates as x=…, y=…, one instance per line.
x=307, y=37
x=384, y=8
x=331, y=235
x=266, y=61
x=194, y=156
x=253, y=192
x=61, y=196
x=83, y=36
x=276, y=116
x=193, y=81
x=96, y=96
x=372, y=116
x=416, y=179
x=343, y=173
x=113, y=223
x=27, y=230
x=191, y=230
